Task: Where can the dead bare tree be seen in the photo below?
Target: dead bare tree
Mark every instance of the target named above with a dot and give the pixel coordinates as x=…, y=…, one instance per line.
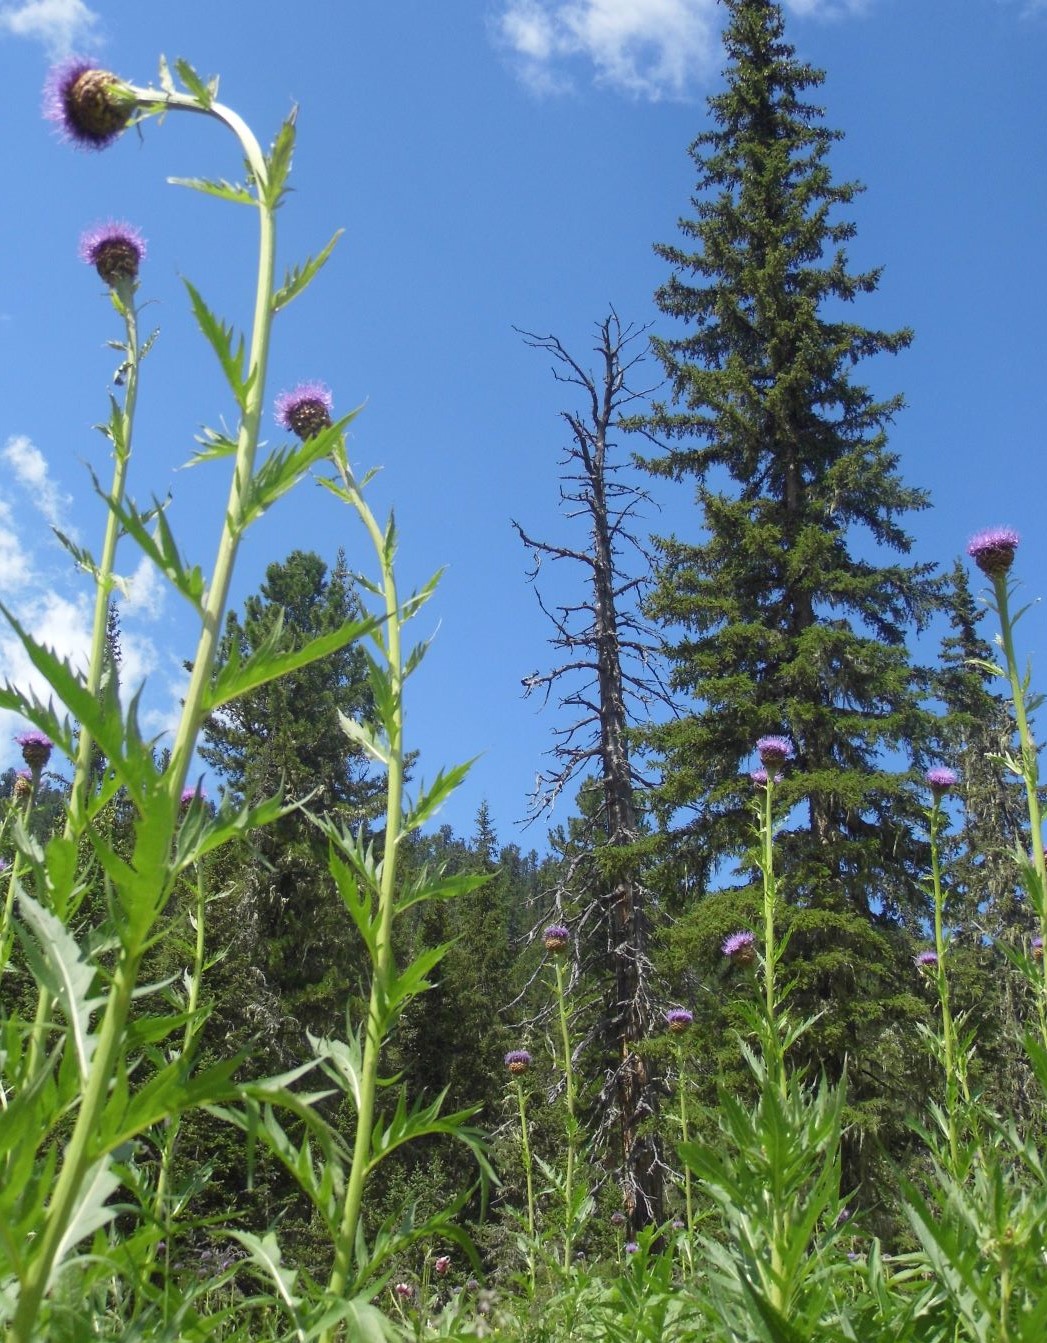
x=606, y=677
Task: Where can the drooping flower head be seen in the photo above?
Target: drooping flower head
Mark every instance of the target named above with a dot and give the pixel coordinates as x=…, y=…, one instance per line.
x=443, y=1264
x=556, y=937
x=89, y=106
x=740, y=947
x=115, y=249
x=306, y=409
x=518, y=1060
x=774, y=751
x=940, y=780
x=404, y=1291
x=926, y=960
x=36, y=749
x=993, y=550
x=618, y=1218
x=678, y=1019
x=1037, y=948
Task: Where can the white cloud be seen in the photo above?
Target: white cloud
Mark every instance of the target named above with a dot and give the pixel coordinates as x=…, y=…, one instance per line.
x=144, y=591
x=31, y=471
x=60, y=25
x=648, y=48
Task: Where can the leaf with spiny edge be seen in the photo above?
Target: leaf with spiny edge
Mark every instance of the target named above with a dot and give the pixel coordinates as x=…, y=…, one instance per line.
x=160, y=547
x=221, y=339
x=298, y=277
x=278, y=161
x=284, y=467
x=215, y=446
x=226, y=191
x=203, y=93
x=60, y=967
x=432, y=798
x=268, y=661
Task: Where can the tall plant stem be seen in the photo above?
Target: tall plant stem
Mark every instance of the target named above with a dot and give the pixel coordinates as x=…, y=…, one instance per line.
x=383, y=956
x=1030, y=770
x=123, y=300
x=152, y=848
x=948, y=1026
x=685, y=1137
x=565, y=1036
x=525, y=1145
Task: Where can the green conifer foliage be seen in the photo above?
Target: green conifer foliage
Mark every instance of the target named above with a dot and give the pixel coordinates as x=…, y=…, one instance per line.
x=790, y=614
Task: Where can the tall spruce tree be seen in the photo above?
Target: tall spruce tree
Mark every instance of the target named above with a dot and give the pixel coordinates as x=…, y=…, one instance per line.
x=790, y=615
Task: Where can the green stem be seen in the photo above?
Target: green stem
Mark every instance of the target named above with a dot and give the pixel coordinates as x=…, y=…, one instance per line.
x=123, y=301
x=526, y=1148
x=685, y=1138
x=78, y=1157
x=565, y=1036
x=383, y=956
x=948, y=1029
x=1030, y=770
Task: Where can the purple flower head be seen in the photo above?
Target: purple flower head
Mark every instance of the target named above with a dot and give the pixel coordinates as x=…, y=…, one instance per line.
x=993, y=550
x=926, y=959
x=556, y=937
x=678, y=1224
x=774, y=751
x=678, y=1019
x=189, y=796
x=23, y=784
x=443, y=1264
x=760, y=778
x=940, y=780
x=518, y=1060
x=306, y=409
x=36, y=749
x=115, y=249
x=89, y=106
x=1037, y=948
x=4, y=864
x=631, y=1247
x=618, y=1218
x=404, y=1291
x=740, y=947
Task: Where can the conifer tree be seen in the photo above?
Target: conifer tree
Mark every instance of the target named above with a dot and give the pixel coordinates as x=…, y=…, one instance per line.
x=791, y=612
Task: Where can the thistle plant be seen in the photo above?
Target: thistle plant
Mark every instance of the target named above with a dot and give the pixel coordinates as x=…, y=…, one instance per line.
x=678, y=1021
x=79, y=1096
x=557, y=940
x=518, y=1061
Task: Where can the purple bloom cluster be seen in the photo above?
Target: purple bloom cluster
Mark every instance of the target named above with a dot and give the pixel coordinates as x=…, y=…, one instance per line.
x=631, y=1247
x=940, y=780
x=1037, y=948
x=89, y=106
x=518, y=1060
x=774, y=751
x=926, y=959
x=993, y=550
x=36, y=749
x=740, y=947
x=678, y=1019
x=306, y=409
x=115, y=249
x=557, y=937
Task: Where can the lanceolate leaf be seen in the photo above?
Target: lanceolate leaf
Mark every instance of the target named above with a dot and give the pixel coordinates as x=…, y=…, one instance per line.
x=433, y=797
x=227, y=191
x=60, y=967
x=268, y=662
x=221, y=339
x=91, y=1211
x=265, y=1253
x=298, y=277
x=278, y=160
x=283, y=468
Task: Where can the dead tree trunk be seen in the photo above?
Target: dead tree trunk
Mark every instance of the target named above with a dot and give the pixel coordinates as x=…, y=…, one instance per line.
x=607, y=666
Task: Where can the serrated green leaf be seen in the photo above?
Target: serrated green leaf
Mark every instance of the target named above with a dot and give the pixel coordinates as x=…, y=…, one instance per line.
x=160, y=547
x=268, y=662
x=215, y=446
x=365, y=737
x=201, y=92
x=298, y=277
x=226, y=191
x=221, y=339
x=61, y=968
x=90, y=1211
x=278, y=160
x=265, y=1254
x=166, y=82
x=433, y=797
x=284, y=467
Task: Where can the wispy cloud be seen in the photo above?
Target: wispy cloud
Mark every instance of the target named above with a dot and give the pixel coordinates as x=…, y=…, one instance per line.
x=648, y=48
x=31, y=471
x=652, y=49
x=61, y=25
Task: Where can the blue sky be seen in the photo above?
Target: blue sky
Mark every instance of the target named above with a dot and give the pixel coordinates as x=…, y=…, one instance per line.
x=494, y=163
